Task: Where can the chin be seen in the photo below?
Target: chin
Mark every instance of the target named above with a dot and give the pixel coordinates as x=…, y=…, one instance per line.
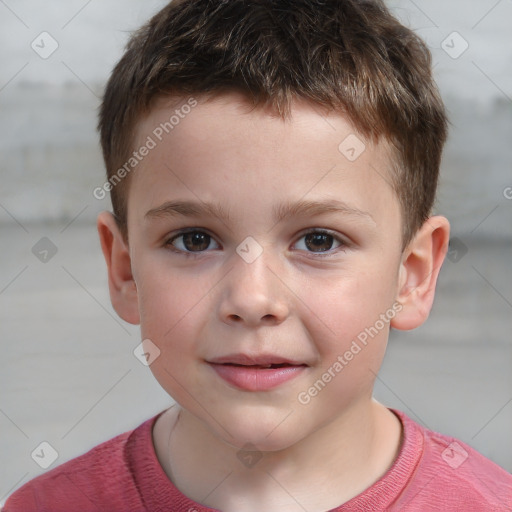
x=261, y=442
x=257, y=430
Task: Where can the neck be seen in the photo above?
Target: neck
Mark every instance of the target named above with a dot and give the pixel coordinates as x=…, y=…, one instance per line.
x=322, y=471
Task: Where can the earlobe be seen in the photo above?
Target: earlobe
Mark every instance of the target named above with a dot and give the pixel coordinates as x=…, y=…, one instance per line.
x=123, y=290
x=419, y=269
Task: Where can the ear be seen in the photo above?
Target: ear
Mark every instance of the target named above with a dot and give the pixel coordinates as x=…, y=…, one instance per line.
x=123, y=290
x=419, y=268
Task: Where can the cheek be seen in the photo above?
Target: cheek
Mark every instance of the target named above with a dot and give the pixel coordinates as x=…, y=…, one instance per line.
x=352, y=347
x=347, y=307
x=172, y=309
x=168, y=302
x=351, y=341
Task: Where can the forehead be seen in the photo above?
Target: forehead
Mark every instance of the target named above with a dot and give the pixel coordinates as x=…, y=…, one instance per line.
x=223, y=148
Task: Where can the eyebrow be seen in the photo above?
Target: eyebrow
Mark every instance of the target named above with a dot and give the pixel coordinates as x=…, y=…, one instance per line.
x=280, y=213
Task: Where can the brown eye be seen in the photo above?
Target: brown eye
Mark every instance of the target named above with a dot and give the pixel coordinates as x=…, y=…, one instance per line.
x=319, y=241
x=191, y=241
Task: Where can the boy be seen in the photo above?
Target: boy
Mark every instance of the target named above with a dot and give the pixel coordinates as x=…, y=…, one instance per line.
x=272, y=167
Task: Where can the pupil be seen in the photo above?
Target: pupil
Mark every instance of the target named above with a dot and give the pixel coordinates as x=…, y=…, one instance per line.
x=189, y=239
x=320, y=241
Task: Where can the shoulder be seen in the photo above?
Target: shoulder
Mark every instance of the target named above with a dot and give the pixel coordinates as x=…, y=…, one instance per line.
x=97, y=480
x=451, y=475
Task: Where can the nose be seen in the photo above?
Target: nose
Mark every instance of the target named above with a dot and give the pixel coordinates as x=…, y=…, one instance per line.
x=254, y=294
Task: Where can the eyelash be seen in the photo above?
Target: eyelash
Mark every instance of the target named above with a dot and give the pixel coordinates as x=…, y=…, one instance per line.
x=194, y=254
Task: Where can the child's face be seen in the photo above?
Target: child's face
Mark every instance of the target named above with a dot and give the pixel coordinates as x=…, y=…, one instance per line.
x=304, y=299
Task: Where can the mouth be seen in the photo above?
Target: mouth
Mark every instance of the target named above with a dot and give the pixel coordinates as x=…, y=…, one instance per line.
x=263, y=366
x=261, y=361
x=256, y=373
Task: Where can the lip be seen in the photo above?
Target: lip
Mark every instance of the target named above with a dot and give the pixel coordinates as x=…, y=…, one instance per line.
x=254, y=360
x=255, y=372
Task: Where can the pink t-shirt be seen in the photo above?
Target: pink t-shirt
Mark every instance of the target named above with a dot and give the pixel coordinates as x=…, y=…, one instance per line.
x=432, y=473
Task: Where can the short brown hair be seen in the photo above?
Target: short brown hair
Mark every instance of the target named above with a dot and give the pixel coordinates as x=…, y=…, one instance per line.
x=347, y=55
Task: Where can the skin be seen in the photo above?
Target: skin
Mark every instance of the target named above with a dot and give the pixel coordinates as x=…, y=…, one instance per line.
x=289, y=301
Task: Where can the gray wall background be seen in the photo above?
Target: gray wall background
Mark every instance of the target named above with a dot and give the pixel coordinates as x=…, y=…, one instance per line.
x=68, y=375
